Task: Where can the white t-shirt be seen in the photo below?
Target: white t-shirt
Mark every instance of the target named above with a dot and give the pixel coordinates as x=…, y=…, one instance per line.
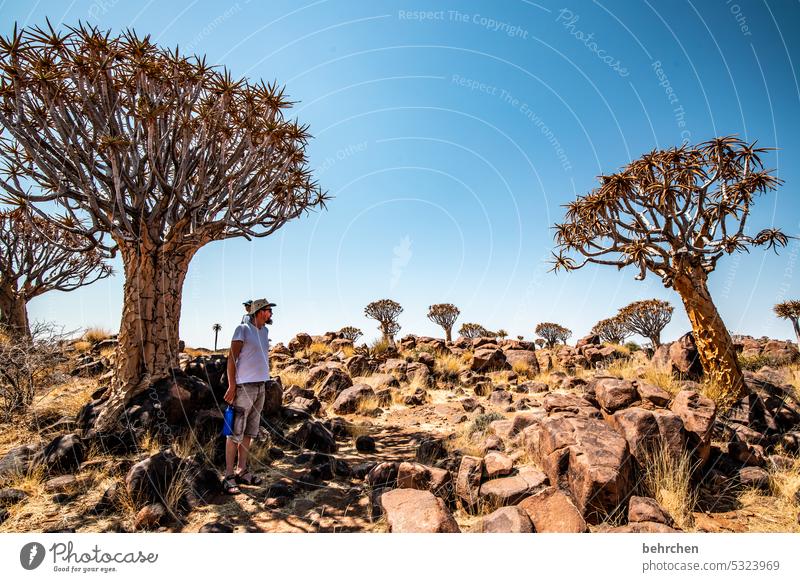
x=253, y=362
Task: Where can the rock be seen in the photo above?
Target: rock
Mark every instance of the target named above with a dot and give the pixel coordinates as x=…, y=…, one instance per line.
x=430, y=450
x=90, y=368
x=18, y=461
x=586, y=457
x=551, y=511
x=10, y=496
x=684, y=358
x=355, y=397
x=589, y=340
x=273, y=398
x=365, y=444
x=698, y=414
x=62, y=484
x=314, y=435
x=647, y=509
x=523, y=359
x=500, y=397
x=746, y=454
x=419, y=476
x=333, y=384
x=109, y=501
x=396, y=367
x=555, y=402
x=64, y=454
x=512, y=490
x=417, y=398
x=754, y=478
x=150, y=516
x=357, y=365
x=4, y=515
x=613, y=394
x=487, y=359
x=497, y=465
x=414, y=511
x=148, y=480
x=505, y=520
x=647, y=432
x=378, y=381
x=300, y=342
x=653, y=394
x=470, y=404
x=216, y=527
x=468, y=480
x=382, y=475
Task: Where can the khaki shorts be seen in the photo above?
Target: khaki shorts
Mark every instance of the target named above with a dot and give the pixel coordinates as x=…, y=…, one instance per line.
x=247, y=407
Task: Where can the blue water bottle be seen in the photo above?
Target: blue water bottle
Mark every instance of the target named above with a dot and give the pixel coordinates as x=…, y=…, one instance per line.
x=227, y=423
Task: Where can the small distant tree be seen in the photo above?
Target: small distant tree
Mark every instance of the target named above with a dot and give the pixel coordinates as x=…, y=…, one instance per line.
x=611, y=330
x=385, y=312
x=351, y=333
x=520, y=338
x=553, y=333
x=647, y=318
x=217, y=327
x=444, y=315
x=155, y=150
x=502, y=334
x=790, y=310
x=539, y=342
x=675, y=213
x=472, y=330
x=35, y=258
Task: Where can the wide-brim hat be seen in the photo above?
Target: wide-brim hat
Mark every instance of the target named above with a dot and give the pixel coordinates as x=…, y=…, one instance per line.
x=259, y=304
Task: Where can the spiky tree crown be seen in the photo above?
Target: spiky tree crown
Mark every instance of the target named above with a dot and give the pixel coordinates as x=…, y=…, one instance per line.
x=350, y=332
x=443, y=314
x=553, y=332
x=472, y=330
x=788, y=309
x=144, y=142
x=611, y=330
x=386, y=312
x=647, y=318
x=669, y=210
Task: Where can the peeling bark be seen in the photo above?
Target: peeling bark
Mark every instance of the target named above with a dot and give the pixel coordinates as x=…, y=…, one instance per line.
x=147, y=349
x=14, y=311
x=714, y=342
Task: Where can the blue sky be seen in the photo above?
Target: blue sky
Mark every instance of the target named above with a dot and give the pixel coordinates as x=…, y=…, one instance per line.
x=450, y=134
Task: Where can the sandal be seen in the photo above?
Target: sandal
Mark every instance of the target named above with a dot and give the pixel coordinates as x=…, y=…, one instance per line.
x=248, y=478
x=229, y=485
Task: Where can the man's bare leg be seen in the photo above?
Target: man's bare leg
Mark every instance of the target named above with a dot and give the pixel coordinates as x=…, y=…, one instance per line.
x=231, y=447
x=244, y=448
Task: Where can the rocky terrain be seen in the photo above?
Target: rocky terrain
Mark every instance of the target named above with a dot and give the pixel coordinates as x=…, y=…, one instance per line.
x=476, y=435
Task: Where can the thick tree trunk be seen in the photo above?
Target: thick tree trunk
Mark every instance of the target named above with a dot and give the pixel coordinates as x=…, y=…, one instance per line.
x=147, y=348
x=655, y=339
x=796, y=326
x=714, y=342
x=448, y=333
x=14, y=312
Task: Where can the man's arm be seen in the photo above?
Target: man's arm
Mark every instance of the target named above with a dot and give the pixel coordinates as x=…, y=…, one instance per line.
x=233, y=355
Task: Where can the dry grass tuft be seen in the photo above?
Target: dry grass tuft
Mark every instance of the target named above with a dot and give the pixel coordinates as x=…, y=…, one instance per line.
x=448, y=365
x=95, y=335
x=522, y=369
x=669, y=481
x=367, y=405
x=288, y=378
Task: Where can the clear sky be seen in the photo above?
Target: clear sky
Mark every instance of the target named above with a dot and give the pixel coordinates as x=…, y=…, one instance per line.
x=450, y=134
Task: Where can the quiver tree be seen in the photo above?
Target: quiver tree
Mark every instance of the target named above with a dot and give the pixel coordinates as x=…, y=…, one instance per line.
x=539, y=342
x=790, y=310
x=160, y=151
x=351, y=333
x=553, y=333
x=385, y=312
x=502, y=334
x=675, y=213
x=647, y=318
x=472, y=330
x=444, y=315
x=35, y=258
x=611, y=330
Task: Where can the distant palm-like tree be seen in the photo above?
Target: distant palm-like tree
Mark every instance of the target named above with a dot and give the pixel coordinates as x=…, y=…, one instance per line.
x=216, y=327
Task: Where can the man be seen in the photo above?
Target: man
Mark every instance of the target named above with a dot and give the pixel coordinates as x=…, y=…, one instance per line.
x=248, y=370
x=246, y=316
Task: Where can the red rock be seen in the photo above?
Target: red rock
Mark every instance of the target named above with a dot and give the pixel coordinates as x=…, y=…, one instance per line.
x=497, y=465
x=551, y=511
x=512, y=490
x=468, y=480
x=654, y=394
x=613, y=394
x=643, y=527
x=698, y=414
x=414, y=511
x=422, y=477
x=505, y=520
x=647, y=509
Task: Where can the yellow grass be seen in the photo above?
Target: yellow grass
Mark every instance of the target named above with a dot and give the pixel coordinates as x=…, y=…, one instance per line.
x=348, y=351
x=668, y=480
x=94, y=335
x=289, y=378
x=82, y=346
x=522, y=369
x=448, y=365
x=367, y=405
